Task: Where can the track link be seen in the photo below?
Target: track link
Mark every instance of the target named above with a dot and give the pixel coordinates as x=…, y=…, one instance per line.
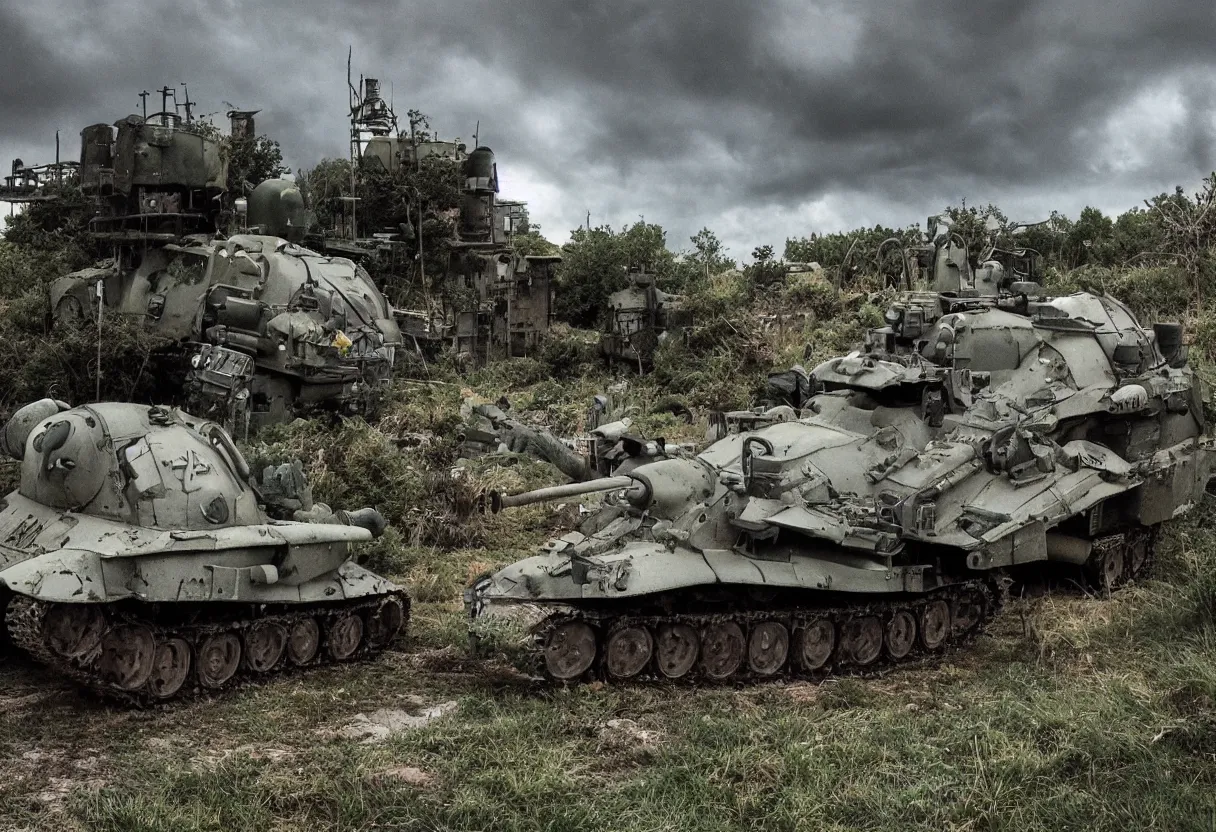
x=757, y=645
x=1121, y=558
x=108, y=664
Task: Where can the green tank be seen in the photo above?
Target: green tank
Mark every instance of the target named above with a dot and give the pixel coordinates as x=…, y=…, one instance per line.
x=640, y=318
x=985, y=431
x=136, y=559
x=273, y=329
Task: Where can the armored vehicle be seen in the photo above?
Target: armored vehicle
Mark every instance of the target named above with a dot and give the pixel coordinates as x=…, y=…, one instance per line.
x=639, y=319
x=271, y=327
x=985, y=430
x=262, y=328
x=135, y=559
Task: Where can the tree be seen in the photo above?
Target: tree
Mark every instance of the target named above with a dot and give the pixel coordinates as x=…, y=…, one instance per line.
x=322, y=187
x=251, y=161
x=417, y=202
x=55, y=225
x=1189, y=232
x=853, y=253
x=764, y=270
x=595, y=263
x=1090, y=239
x=710, y=253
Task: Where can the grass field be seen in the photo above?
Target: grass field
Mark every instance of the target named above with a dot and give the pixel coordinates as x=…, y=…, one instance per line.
x=1074, y=712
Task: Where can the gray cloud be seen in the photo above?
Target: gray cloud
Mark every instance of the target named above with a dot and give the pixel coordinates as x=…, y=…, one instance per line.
x=760, y=120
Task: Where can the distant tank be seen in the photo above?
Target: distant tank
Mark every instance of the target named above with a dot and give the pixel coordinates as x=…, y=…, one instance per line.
x=264, y=328
x=984, y=431
x=155, y=178
x=136, y=560
x=640, y=317
x=274, y=328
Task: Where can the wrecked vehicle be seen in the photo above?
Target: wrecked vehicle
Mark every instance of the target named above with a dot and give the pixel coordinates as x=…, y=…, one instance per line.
x=785, y=395
x=984, y=431
x=135, y=559
x=640, y=317
x=272, y=328
x=261, y=328
x=608, y=448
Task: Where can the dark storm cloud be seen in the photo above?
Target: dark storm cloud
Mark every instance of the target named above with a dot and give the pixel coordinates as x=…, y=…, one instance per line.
x=760, y=119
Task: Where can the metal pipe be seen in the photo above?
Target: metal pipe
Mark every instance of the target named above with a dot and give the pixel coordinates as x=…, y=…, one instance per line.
x=556, y=492
x=1068, y=548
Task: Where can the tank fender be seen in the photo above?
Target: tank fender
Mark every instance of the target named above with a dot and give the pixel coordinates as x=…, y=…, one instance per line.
x=1025, y=544
x=1175, y=479
x=259, y=584
x=811, y=567
x=350, y=581
x=635, y=569
x=69, y=576
x=306, y=562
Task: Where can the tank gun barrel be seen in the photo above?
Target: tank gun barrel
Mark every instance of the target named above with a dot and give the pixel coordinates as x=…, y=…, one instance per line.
x=365, y=518
x=556, y=492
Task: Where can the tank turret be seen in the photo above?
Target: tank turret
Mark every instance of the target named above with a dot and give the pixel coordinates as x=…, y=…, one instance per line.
x=276, y=209
x=165, y=180
x=277, y=328
x=640, y=317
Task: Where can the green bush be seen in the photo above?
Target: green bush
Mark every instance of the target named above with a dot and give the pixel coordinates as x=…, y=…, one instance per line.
x=1153, y=293
x=35, y=362
x=811, y=292
x=568, y=353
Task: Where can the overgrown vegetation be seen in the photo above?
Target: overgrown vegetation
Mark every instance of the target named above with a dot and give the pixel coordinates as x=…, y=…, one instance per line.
x=1075, y=712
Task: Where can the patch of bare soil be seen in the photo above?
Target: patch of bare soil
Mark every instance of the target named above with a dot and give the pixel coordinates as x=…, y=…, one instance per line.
x=408, y=775
x=381, y=724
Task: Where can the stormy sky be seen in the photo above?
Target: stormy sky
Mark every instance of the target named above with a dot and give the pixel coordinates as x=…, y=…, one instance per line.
x=761, y=120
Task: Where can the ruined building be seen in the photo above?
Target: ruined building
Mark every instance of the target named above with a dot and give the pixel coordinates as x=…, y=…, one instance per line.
x=262, y=328
x=495, y=302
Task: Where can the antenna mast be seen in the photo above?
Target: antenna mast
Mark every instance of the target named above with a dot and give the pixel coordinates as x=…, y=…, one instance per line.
x=356, y=104
x=165, y=92
x=188, y=103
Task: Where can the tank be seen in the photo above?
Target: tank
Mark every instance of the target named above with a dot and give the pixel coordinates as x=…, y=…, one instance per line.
x=640, y=318
x=985, y=433
x=273, y=329
x=161, y=178
x=137, y=561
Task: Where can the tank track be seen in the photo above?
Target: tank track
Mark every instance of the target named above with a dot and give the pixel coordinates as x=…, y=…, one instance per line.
x=1135, y=547
x=25, y=619
x=985, y=595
